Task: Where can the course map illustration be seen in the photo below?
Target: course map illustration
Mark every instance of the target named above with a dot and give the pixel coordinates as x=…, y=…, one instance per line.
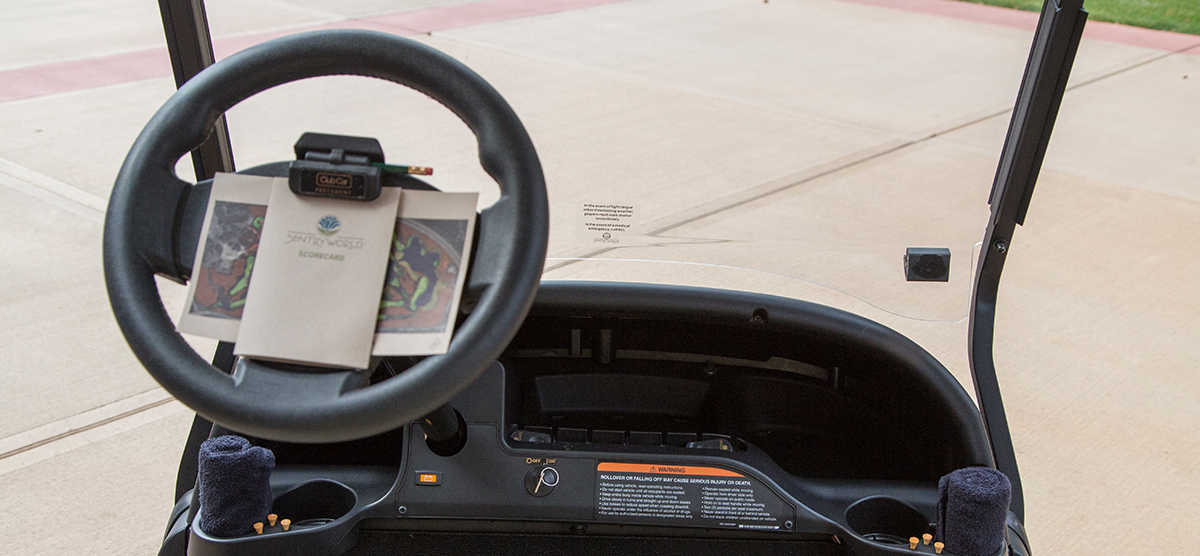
x=422, y=272
x=228, y=260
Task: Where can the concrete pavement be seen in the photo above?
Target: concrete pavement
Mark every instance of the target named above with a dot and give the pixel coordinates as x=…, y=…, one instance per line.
x=757, y=125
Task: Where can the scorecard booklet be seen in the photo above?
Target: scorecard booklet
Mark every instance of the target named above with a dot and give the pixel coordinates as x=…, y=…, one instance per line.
x=317, y=279
x=343, y=280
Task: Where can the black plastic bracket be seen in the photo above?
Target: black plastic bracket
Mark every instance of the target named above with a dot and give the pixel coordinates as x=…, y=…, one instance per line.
x=927, y=264
x=337, y=167
x=1054, y=46
x=325, y=143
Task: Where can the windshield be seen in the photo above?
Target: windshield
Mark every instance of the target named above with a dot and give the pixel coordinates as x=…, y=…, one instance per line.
x=838, y=239
x=696, y=192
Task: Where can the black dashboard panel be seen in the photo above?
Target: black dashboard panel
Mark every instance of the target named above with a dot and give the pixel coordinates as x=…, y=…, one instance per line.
x=706, y=417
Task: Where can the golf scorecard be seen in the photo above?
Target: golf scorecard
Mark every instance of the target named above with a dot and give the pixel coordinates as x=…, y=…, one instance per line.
x=315, y=279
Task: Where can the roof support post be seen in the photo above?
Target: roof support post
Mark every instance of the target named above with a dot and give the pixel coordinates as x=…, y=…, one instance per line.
x=1054, y=46
x=189, y=43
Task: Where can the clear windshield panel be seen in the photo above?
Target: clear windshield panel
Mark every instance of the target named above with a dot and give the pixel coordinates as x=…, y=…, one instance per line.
x=862, y=282
x=837, y=241
x=722, y=196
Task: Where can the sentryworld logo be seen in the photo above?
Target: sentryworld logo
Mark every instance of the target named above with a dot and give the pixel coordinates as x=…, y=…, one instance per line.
x=329, y=225
x=605, y=238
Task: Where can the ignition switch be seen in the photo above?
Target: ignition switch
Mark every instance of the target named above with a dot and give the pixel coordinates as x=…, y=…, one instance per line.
x=540, y=481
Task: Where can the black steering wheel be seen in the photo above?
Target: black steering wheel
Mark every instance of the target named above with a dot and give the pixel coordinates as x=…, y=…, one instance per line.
x=142, y=238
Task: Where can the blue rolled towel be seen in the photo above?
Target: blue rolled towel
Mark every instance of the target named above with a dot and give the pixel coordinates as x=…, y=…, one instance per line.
x=234, y=485
x=972, y=511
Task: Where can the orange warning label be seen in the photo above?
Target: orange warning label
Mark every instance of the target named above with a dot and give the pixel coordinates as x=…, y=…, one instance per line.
x=657, y=469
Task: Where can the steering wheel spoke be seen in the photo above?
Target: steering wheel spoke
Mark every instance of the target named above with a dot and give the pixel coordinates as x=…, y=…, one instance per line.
x=152, y=209
x=492, y=248
x=254, y=381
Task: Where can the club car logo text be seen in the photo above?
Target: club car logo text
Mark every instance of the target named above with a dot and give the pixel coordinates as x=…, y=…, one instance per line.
x=334, y=184
x=340, y=181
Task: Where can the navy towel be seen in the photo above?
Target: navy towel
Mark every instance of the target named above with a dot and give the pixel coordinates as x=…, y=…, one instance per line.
x=234, y=484
x=972, y=511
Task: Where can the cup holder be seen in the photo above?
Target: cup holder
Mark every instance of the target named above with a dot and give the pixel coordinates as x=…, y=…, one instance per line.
x=315, y=503
x=886, y=520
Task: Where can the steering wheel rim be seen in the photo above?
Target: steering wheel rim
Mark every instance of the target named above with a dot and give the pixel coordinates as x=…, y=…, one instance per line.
x=141, y=239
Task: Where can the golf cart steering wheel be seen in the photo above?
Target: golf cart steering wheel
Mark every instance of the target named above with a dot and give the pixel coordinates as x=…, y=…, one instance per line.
x=142, y=236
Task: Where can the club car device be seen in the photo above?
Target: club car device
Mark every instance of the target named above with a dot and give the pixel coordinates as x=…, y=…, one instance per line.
x=566, y=417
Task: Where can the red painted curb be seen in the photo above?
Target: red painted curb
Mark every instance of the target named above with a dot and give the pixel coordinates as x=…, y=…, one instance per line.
x=75, y=75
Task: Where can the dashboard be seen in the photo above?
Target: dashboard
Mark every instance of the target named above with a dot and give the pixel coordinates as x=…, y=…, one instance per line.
x=650, y=420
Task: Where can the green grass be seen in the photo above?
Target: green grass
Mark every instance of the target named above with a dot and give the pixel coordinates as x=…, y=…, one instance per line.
x=1181, y=16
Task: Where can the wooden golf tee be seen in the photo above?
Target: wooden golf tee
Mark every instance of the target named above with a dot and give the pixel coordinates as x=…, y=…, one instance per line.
x=937, y=547
x=271, y=519
x=287, y=524
x=926, y=538
x=912, y=543
x=258, y=527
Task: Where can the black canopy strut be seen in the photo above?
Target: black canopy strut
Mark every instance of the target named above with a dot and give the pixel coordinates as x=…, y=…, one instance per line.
x=189, y=43
x=1054, y=45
